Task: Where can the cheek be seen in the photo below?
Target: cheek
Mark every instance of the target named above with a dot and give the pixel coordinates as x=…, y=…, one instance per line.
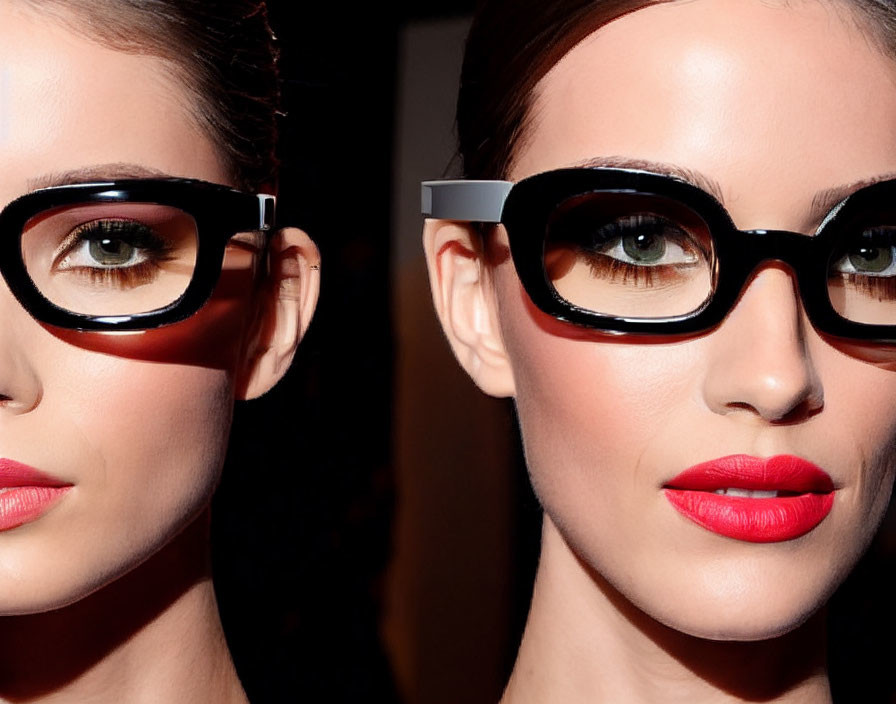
x=588, y=411
x=144, y=413
x=150, y=413
x=143, y=443
x=860, y=427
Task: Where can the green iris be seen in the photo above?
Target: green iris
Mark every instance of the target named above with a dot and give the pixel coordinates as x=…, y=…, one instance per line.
x=111, y=252
x=644, y=247
x=871, y=259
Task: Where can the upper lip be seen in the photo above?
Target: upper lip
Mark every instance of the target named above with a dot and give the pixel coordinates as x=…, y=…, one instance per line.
x=16, y=474
x=780, y=473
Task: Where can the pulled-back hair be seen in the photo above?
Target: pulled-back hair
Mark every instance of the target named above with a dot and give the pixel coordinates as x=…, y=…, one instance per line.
x=512, y=45
x=223, y=52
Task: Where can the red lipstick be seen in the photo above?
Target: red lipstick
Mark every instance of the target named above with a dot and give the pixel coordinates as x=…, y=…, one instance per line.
x=26, y=493
x=753, y=499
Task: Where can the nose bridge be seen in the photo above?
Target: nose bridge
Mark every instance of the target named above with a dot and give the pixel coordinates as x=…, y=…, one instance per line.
x=780, y=250
x=778, y=245
x=760, y=361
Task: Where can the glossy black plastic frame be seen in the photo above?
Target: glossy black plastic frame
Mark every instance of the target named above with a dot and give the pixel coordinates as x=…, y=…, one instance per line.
x=528, y=205
x=220, y=212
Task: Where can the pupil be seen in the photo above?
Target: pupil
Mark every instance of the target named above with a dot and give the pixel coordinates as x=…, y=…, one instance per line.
x=644, y=247
x=874, y=259
x=110, y=252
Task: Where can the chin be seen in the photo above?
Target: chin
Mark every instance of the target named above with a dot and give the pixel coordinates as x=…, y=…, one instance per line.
x=760, y=627
x=725, y=600
x=30, y=593
x=761, y=615
x=29, y=601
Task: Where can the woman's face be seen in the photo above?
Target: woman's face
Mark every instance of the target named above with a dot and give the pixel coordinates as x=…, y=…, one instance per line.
x=775, y=104
x=136, y=424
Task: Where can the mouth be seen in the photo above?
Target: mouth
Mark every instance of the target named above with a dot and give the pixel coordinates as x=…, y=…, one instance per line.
x=26, y=493
x=753, y=499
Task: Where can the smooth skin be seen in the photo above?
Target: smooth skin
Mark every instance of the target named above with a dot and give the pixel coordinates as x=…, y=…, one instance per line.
x=774, y=104
x=108, y=597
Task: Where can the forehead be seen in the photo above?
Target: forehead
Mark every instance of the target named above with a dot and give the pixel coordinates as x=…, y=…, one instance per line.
x=758, y=96
x=67, y=102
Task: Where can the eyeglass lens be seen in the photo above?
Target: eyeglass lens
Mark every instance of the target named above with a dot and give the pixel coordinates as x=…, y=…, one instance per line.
x=862, y=276
x=645, y=256
x=111, y=258
x=629, y=255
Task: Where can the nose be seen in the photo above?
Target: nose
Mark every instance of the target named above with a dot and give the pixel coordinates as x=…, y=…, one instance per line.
x=20, y=386
x=760, y=364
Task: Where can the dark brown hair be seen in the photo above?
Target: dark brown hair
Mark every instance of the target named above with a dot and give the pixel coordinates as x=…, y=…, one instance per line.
x=513, y=43
x=222, y=51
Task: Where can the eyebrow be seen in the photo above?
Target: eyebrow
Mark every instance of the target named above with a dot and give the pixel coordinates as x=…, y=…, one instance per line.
x=695, y=178
x=94, y=173
x=823, y=202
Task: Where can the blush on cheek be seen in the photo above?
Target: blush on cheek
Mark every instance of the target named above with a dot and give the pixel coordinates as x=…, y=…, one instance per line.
x=126, y=408
x=589, y=408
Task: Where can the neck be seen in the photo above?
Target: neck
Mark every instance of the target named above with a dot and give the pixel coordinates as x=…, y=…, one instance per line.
x=152, y=635
x=584, y=642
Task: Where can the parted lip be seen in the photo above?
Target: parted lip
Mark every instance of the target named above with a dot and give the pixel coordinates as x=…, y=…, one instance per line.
x=792, y=497
x=787, y=473
x=17, y=474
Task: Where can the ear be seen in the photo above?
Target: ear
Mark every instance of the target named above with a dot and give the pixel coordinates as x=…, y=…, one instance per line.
x=286, y=303
x=464, y=300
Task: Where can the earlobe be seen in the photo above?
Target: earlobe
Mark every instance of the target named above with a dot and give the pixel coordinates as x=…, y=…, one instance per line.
x=462, y=294
x=287, y=303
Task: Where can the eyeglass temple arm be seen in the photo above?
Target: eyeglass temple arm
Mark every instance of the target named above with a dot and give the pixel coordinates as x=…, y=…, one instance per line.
x=474, y=201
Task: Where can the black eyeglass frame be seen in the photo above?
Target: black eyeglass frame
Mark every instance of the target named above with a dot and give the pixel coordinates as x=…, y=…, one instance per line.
x=219, y=212
x=525, y=208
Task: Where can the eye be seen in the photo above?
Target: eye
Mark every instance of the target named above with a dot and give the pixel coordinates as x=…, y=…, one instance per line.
x=109, y=244
x=645, y=240
x=871, y=254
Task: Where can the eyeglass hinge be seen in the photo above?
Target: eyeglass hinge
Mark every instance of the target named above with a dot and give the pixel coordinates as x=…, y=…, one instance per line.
x=266, y=209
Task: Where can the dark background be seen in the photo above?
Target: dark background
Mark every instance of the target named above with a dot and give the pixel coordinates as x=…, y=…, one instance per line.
x=299, y=573
x=303, y=518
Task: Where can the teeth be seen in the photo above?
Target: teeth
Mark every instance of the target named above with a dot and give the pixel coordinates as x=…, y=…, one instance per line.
x=747, y=493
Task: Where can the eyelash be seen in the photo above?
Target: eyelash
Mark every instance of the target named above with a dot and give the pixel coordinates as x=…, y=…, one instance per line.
x=124, y=277
x=617, y=271
x=881, y=287
x=136, y=234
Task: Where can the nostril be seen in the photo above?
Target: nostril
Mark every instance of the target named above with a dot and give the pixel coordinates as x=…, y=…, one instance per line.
x=16, y=405
x=797, y=413
x=802, y=411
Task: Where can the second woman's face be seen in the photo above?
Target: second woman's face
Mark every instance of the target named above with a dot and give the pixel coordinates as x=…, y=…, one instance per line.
x=775, y=105
x=129, y=429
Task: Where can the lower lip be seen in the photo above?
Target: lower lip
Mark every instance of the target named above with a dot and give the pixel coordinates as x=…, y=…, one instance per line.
x=754, y=520
x=23, y=504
